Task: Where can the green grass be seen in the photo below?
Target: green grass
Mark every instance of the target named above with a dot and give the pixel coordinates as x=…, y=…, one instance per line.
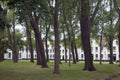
x=25, y=70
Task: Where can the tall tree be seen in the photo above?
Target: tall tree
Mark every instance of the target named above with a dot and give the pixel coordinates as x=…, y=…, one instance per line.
x=118, y=11
x=57, y=40
x=70, y=20
x=15, y=54
x=110, y=30
x=28, y=31
x=2, y=37
x=85, y=35
x=34, y=16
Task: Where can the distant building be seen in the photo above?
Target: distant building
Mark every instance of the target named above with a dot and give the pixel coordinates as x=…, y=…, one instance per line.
x=24, y=54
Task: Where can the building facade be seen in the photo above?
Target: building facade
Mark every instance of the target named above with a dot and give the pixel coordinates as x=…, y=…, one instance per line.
x=25, y=54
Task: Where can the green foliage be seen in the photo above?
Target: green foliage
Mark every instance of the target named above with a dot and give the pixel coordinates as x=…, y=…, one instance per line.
x=2, y=25
x=2, y=19
x=3, y=45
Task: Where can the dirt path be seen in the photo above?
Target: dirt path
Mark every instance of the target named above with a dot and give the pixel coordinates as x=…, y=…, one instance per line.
x=112, y=76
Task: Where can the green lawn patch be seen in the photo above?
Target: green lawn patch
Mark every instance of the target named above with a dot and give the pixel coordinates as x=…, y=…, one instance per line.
x=25, y=70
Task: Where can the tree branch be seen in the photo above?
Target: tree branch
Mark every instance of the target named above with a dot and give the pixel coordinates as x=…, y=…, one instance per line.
x=116, y=7
x=94, y=13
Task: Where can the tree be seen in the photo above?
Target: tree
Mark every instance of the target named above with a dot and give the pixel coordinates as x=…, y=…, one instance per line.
x=28, y=32
x=57, y=40
x=118, y=11
x=110, y=30
x=33, y=14
x=15, y=54
x=3, y=40
x=70, y=22
x=85, y=35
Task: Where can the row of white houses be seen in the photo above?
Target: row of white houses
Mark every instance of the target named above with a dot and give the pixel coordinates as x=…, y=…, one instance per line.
x=23, y=54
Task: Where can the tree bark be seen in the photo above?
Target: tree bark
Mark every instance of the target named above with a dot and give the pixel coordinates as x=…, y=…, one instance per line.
x=118, y=11
x=65, y=47
x=46, y=41
x=1, y=50
x=15, y=54
x=85, y=35
x=57, y=40
x=39, y=61
x=73, y=52
x=28, y=30
x=101, y=46
x=76, y=52
x=92, y=19
x=111, y=36
x=1, y=57
x=119, y=40
x=72, y=44
x=111, y=50
x=40, y=48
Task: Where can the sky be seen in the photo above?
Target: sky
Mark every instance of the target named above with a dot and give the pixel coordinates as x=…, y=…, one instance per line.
x=18, y=26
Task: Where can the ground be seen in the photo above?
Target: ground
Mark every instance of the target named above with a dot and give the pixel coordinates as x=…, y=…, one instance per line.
x=24, y=70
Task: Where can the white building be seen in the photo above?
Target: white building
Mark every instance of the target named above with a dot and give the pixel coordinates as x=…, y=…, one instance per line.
x=23, y=54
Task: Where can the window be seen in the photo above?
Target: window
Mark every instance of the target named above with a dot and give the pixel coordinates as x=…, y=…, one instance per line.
x=53, y=56
x=60, y=51
x=53, y=50
x=96, y=56
x=22, y=49
x=96, y=49
x=63, y=51
x=114, y=48
x=50, y=56
x=35, y=56
x=29, y=56
x=82, y=56
x=9, y=55
x=117, y=42
x=101, y=55
x=19, y=55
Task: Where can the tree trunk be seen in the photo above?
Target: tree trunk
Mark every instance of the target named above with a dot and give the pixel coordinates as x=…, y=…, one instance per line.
x=15, y=54
x=92, y=19
x=118, y=11
x=111, y=50
x=101, y=38
x=111, y=35
x=1, y=51
x=39, y=44
x=1, y=57
x=101, y=49
x=76, y=52
x=85, y=35
x=75, y=48
x=39, y=61
x=119, y=41
x=65, y=47
x=72, y=44
x=73, y=53
x=57, y=40
x=9, y=37
x=46, y=41
x=28, y=30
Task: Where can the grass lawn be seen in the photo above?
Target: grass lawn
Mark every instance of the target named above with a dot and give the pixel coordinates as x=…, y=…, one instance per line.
x=25, y=70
